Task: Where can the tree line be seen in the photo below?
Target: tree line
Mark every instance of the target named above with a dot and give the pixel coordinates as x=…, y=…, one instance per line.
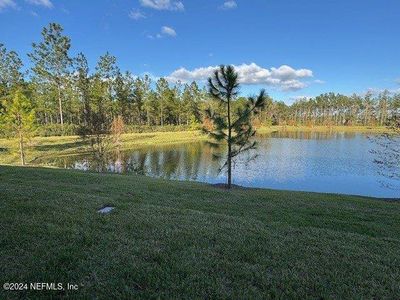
x=66, y=95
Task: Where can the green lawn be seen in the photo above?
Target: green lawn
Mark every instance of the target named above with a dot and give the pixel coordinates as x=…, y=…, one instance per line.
x=188, y=240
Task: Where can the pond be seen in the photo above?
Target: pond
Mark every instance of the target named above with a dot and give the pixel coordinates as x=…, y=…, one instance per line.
x=303, y=161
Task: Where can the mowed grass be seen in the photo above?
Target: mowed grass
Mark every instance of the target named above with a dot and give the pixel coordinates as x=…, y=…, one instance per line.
x=189, y=240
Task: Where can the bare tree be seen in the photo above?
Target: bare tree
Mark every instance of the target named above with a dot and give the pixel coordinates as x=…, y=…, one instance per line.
x=387, y=152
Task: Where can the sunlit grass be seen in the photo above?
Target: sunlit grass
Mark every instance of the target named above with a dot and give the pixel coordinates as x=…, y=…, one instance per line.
x=41, y=147
x=168, y=239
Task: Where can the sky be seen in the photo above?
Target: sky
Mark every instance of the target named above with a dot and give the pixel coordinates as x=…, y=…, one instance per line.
x=292, y=48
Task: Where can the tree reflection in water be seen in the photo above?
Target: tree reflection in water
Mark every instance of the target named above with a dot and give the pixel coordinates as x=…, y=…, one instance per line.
x=311, y=161
x=189, y=161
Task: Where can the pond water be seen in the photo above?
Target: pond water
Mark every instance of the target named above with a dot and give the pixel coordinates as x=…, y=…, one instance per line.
x=303, y=161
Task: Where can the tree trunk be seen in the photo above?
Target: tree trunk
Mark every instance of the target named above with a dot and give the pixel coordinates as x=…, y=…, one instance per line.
x=60, y=109
x=229, y=145
x=162, y=117
x=21, y=149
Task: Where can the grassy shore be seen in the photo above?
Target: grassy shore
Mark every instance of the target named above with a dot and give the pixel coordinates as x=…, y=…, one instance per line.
x=355, y=129
x=42, y=147
x=188, y=240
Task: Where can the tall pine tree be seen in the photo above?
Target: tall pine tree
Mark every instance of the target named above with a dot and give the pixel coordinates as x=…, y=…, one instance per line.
x=51, y=62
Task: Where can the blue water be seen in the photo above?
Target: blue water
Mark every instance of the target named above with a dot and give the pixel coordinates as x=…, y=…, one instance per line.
x=318, y=162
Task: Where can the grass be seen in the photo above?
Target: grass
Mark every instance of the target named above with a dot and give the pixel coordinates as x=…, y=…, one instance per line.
x=189, y=240
x=355, y=129
x=44, y=147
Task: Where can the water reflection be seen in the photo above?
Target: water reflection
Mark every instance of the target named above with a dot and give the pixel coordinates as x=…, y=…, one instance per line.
x=310, y=135
x=309, y=161
x=187, y=161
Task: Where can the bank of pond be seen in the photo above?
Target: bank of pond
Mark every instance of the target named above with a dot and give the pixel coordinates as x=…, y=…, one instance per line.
x=316, y=161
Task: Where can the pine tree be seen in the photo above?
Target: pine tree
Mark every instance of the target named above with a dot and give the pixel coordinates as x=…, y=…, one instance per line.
x=52, y=62
x=123, y=86
x=18, y=119
x=163, y=93
x=151, y=106
x=107, y=71
x=82, y=84
x=232, y=127
x=139, y=95
x=10, y=73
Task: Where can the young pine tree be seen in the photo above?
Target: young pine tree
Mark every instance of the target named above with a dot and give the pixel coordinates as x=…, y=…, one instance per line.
x=18, y=119
x=232, y=127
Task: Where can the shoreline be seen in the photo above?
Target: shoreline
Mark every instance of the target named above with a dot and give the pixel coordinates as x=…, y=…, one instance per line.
x=320, y=128
x=59, y=146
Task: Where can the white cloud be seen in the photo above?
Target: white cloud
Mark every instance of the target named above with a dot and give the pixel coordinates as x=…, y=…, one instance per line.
x=163, y=4
x=229, y=4
x=319, y=81
x=45, y=3
x=168, y=31
x=136, y=14
x=284, y=78
x=7, y=4
x=165, y=32
x=397, y=80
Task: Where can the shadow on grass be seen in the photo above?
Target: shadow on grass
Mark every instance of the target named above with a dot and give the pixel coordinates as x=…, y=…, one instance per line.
x=143, y=137
x=61, y=147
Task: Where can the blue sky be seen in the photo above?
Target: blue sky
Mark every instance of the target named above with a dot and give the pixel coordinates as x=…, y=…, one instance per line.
x=290, y=47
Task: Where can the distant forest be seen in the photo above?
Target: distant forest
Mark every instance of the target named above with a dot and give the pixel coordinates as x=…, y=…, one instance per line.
x=65, y=95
